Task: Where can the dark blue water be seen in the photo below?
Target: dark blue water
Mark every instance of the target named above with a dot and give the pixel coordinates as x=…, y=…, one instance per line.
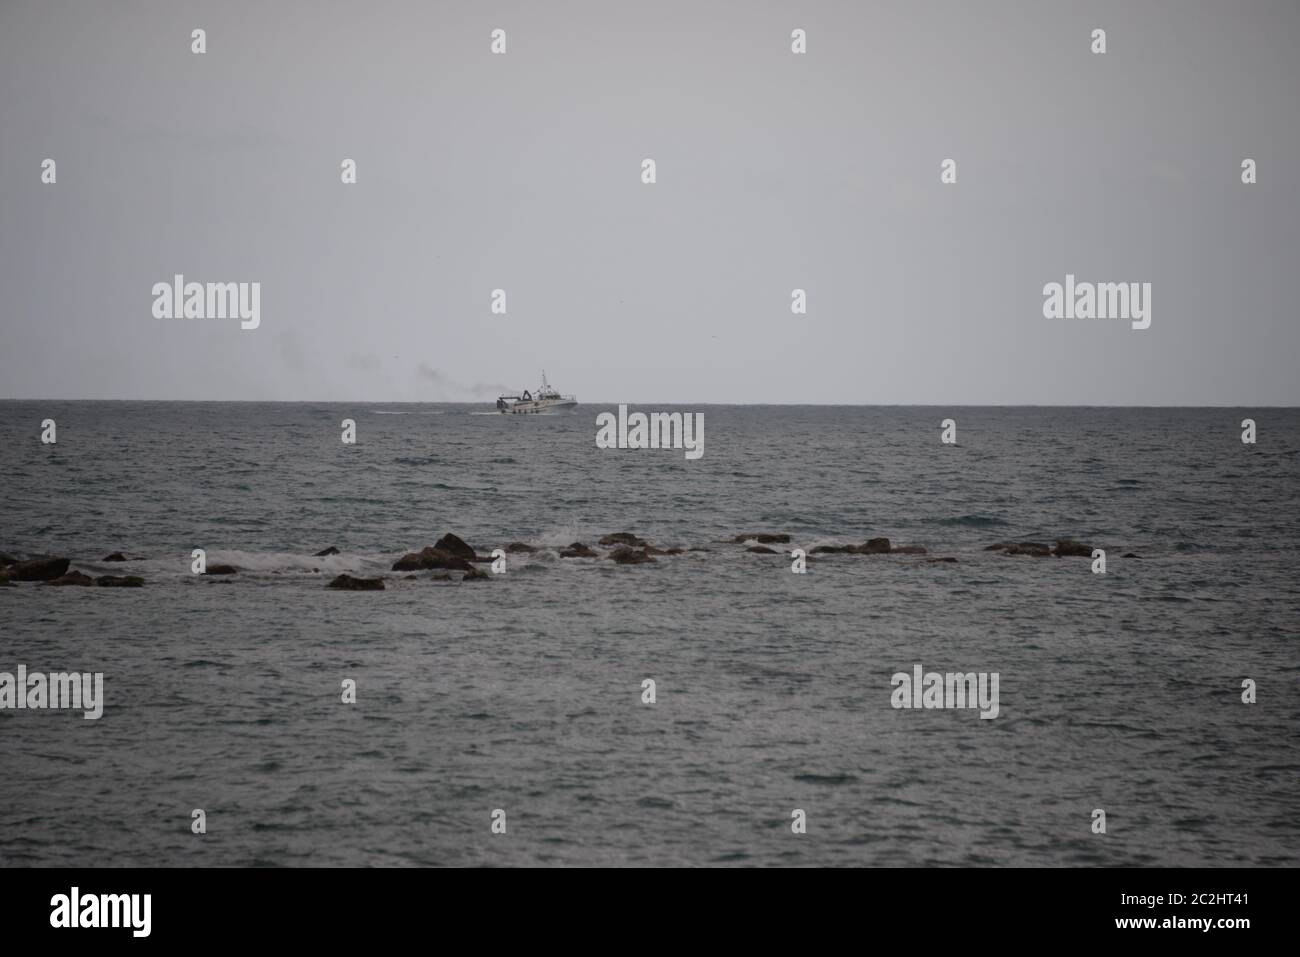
x=1119, y=691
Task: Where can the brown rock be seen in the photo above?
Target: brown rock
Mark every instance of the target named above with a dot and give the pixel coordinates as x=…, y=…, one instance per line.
x=1068, y=547
x=834, y=550
x=222, y=570
x=348, y=583
x=71, y=578
x=475, y=574
x=1035, y=549
x=115, y=557
x=39, y=569
x=630, y=556
x=520, y=547
x=326, y=551
x=623, y=538
x=578, y=550
x=874, y=546
x=119, y=581
x=430, y=557
x=947, y=558
x=456, y=546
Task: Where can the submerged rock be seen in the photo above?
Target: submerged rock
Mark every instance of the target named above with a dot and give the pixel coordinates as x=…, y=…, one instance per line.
x=39, y=569
x=455, y=545
x=71, y=578
x=441, y=558
x=431, y=557
x=7, y=560
x=908, y=550
x=763, y=538
x=834, y=550
x=1130, y=555
x=578, y=550
x=874, y=546
x=1067, y=547
x=326, y=551
x=348, y=583
x=945, y=559
x=623, y=538
x=1036, y=549
x=630, y=556
x=115, y=557
x=520, y=547
x=119, y=581
x=762, y=550
x=222, y=570
x=475, y=575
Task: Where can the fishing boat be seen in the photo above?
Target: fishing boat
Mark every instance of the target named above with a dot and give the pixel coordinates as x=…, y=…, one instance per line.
x=545, y=401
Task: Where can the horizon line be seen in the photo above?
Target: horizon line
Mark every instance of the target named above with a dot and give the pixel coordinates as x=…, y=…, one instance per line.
x=615, y=403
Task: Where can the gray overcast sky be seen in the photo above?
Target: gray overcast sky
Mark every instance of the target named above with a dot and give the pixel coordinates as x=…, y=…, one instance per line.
x=775, y=171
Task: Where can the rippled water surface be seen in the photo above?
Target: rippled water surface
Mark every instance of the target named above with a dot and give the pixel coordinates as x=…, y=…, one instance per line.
x=1119, y=691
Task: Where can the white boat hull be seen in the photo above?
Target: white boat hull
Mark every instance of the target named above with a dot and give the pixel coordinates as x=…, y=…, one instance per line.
x=543, y=407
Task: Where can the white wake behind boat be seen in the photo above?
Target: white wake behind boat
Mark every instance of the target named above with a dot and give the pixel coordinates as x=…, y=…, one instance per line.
x=545, y=401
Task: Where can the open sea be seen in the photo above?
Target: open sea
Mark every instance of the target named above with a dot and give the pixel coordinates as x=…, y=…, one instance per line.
x=1119, y=691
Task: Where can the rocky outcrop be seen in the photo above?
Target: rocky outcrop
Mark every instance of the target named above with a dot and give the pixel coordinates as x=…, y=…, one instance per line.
x=834, y=550
x=326, y=551
x=578, y=550
x=441, y=558
x=1065, y=547
x=119, y=581
x=763, y=538
x=874, y=546
x=431, y=557
x=624, y=555
x=1036, y=549
x=475, y=575
x=456, y=546
x=623, y=538
x=71, y=578
x=39, y=569
x=520, y=547
x=348, y=583
x=221, y=570
x=1068, y=547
